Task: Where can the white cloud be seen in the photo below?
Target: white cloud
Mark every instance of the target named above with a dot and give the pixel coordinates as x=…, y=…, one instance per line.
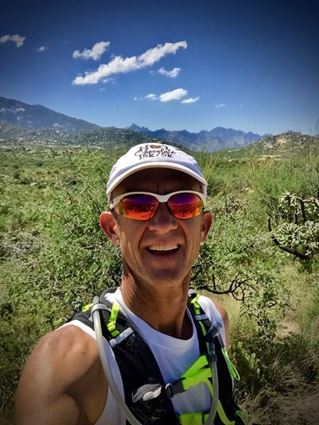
x=151, y=96
x=16, y=38
x=176, y=94
x=155, y=54
x=173, y=73
x=94, y=53
x=123, y=65
x=169, y=96
x=220, y=105
x=42, y=49
x=190, y=100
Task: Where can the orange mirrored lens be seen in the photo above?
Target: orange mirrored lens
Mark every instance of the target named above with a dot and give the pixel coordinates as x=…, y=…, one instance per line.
x=143, y=207
x=185, y=205
x=138, y=207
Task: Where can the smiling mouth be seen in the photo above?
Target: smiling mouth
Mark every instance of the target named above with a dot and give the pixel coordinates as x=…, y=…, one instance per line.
x=162, y=251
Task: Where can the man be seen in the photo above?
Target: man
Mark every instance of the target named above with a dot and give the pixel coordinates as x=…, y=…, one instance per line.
x=156, y=195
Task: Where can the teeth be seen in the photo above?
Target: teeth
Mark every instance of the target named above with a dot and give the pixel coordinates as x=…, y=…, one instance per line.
x=163, y=248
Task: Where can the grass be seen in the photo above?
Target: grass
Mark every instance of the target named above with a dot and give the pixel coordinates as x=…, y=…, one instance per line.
x=49, y=204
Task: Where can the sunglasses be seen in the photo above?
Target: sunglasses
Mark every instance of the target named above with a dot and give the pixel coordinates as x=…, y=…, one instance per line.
x=142, y=206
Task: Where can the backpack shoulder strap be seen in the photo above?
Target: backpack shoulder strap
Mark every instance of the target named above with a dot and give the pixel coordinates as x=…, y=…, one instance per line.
x=225, y=368
x=137, y=365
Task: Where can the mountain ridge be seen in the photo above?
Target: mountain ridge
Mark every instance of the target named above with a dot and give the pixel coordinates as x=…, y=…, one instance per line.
x=215, y=139
x=36, y=117
x=21, y=121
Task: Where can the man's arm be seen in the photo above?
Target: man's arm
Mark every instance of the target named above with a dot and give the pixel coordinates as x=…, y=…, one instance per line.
x=62, y=382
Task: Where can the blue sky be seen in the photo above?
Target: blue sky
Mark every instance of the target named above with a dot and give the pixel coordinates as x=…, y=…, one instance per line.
x=248, y=65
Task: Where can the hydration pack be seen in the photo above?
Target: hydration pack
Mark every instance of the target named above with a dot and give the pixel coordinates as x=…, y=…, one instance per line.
x=146, y=394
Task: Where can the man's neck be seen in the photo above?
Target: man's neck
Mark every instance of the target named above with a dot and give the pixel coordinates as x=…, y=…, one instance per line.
x=164, y=309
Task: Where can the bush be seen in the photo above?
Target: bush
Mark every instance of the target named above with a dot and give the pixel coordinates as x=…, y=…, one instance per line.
x=55, y=258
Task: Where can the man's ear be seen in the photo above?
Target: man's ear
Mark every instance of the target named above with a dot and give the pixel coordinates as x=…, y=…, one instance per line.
x=109, y=226
x=206, y=224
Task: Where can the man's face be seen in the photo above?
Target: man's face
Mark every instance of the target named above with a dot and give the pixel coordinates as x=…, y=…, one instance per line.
x=160, y=250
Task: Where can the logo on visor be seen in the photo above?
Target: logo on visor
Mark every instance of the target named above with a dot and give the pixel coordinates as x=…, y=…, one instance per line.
x=154, y=151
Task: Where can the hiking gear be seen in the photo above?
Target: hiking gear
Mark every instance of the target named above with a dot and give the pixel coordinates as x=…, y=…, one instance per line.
x=106, y=353
x=183, y=204
x=154, y=155
x=147, y=398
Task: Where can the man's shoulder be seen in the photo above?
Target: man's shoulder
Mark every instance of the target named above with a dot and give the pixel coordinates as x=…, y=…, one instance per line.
x=208, y=302
x=215, y=310
x=67, y=352
x=64, y=338
x=63, y=379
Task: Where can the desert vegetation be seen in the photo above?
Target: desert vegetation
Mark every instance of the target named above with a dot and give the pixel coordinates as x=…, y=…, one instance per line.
x=260, y=260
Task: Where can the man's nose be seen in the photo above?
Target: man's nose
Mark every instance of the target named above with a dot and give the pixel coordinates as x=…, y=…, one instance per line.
x=163, y=220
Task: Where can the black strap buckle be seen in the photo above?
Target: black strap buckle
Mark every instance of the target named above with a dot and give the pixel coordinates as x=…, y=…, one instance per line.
x=212, y=332
x=173, y=388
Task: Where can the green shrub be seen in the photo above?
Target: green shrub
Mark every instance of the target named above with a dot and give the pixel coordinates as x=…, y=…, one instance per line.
x=54, y=258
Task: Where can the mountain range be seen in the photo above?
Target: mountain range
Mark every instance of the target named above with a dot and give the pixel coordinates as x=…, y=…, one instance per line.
x=36, y=117
x=20, y=121
x=216, y=139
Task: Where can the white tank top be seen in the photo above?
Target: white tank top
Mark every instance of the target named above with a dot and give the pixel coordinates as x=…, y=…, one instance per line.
x=173, y=356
